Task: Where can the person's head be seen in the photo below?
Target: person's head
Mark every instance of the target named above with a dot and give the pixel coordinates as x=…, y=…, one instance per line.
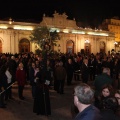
x=83, y=94
x=111, y=103
x=60, y=63
x=106, y=70
x=13, y=57
x=107, y=90
x=33, y=65
x=117, y=95
x=69, y=61
x=85, y=61
x=21, y=65
x=37, y=62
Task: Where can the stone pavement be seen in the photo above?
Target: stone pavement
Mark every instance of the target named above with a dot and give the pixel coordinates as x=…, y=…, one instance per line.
x=22, y=110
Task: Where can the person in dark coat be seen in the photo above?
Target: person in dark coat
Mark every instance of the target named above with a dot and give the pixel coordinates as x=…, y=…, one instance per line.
x=117, y=95
x=101, y=80
x=42, y=99
x=70, y=71
x=76, y=67
x=60, y=73
x=32, y=77
x=92, y=66
x=98, y=65
x=115, y=70
x=55, y=80
x=85, y=71
x=3, y=85
x=83, y=100
x=110, y=107
x=12, y=66
x=48, y=72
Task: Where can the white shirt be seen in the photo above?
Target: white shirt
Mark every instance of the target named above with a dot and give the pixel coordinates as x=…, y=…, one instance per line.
x=9, y=76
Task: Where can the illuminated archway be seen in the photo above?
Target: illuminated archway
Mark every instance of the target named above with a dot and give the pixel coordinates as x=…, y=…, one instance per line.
x=24, y=46
x=102, y=47
x=87, y=47
x=70, y=47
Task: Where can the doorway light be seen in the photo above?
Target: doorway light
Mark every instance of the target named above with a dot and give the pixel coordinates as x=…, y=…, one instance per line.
x=87, y=41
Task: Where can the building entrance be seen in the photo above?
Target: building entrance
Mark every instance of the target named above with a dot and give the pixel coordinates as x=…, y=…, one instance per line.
x=24, y=46
x=70, y=47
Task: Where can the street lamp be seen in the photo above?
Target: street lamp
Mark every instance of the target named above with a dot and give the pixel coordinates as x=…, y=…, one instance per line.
x=10, y=21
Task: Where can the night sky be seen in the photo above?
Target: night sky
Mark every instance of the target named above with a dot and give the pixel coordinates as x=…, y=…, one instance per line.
x=89, y=11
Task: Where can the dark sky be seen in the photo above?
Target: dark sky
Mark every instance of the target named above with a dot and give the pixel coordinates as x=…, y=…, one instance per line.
x=82, y=10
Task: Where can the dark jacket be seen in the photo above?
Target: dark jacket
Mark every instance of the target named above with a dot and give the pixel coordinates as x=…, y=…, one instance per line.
x=31, y=76
x=108, y=115
x=60, y=73
x=101, y=80
x=90, y=113
x=85, y=73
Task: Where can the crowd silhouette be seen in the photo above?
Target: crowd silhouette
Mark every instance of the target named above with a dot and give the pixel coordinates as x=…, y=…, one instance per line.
x=57, y=69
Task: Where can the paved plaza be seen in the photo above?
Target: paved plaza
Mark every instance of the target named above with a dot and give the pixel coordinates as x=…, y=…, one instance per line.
x=23, y=110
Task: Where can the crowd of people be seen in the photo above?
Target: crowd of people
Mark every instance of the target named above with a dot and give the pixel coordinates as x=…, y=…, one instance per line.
x=53, y=70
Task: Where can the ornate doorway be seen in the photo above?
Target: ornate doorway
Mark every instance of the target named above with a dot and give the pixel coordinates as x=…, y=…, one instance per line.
x=0, y=46
x=102, y=47
x=24, y=46
x=87, y=47
x=70, y=47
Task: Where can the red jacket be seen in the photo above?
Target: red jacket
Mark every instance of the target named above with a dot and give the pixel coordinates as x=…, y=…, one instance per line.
x=21, y=77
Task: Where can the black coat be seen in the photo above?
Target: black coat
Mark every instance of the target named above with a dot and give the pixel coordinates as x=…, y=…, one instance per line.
x=31, y=76
x=42, y=100
x=108, y=115
x=85, y=73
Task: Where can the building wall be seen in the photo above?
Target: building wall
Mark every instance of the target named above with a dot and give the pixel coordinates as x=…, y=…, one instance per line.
x=10, y=40
x=113, y=25
x=67, y=29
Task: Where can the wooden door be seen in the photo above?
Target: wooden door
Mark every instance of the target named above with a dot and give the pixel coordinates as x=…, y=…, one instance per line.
x=24, y=46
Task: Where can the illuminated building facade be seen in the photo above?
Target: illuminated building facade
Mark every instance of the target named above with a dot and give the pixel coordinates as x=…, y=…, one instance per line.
x=113, y=25
x=14, y=36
